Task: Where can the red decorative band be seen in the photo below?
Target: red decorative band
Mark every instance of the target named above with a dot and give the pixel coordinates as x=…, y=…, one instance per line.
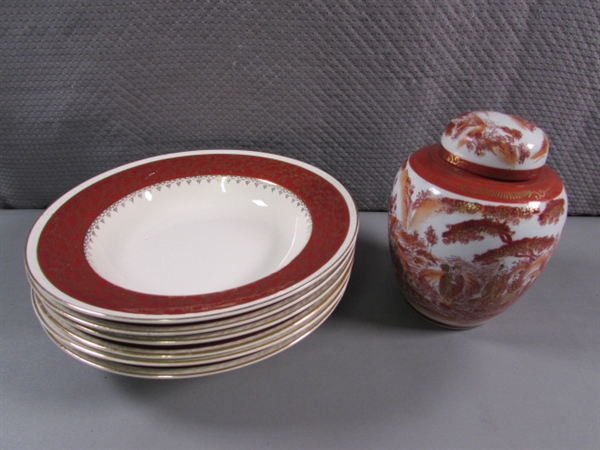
x=60, y=246
x=486, y=171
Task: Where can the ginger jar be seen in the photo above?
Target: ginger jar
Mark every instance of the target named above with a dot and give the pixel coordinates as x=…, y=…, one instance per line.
x=474, y=219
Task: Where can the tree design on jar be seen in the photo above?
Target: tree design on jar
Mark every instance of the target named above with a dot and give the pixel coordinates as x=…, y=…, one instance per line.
x=462, y=260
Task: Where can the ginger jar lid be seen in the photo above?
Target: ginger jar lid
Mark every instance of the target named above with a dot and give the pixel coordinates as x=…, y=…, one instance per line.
x=495, y=145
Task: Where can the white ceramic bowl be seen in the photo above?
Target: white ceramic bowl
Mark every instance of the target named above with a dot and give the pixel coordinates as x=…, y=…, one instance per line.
x=191, y=236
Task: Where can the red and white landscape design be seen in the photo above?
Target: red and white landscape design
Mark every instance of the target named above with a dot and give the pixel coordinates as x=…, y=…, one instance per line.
x=461, y=261
x=496, y=140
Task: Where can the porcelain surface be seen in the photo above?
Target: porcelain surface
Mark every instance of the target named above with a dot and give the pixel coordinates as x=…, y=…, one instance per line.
x=198, y=235
x=130, y=366
x=193, y=263
x=466, y=247
x=106, y=250
x=175, y=331
x=192, y=334
x=495, y=144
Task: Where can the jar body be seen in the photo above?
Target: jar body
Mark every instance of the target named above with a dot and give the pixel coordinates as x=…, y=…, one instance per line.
x=465, y=247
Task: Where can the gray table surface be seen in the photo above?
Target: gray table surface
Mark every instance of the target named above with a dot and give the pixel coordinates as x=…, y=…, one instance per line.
x=374, y=375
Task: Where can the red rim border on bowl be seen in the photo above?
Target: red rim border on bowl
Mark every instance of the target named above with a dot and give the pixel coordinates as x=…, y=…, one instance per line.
x=55, y=248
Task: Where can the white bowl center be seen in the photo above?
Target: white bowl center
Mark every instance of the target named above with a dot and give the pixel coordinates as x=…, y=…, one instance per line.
x=198, y=235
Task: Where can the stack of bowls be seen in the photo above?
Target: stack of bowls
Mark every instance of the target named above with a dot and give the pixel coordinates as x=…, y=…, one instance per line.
x=192, y=263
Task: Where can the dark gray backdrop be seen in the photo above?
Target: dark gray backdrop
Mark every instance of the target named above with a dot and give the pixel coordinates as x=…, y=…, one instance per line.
x=350, y=86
